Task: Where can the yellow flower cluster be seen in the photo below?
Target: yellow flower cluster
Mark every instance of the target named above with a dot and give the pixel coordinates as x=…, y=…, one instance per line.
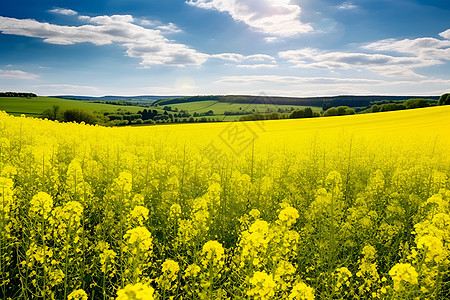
x=288, y=216
x=138, y=291
x=138, y=216
x=170, y=269
x=41, y=204
x=107, y=260
x=123, y=184
x=140, y=238
x=213, y=254
x=254, y=242
x=262, y=286
x=342, y=277
x=77, y=295
x=403, y=273
x=6, y=195
x=175, y=211
x=192, y=271
x=301, y=291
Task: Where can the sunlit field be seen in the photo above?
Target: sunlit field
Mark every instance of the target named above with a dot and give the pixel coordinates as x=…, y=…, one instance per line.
x=348, y=207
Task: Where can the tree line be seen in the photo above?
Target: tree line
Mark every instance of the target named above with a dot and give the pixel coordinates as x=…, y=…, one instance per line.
x=18, y=95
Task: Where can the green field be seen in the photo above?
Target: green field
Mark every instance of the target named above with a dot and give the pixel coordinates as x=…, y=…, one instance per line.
x=219, y=108
x=36, y=106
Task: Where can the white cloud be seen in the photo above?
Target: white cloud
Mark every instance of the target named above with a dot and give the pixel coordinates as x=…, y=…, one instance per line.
x=347, y=6
x=17, y=74
x=294, y=80
x=169, y=28
x=260, y=57
x=63, y=11
x=258, y=66
x=425, y=48
x=383, y=64
x=252, y=60
x=322, y=86
x=271, y=39
x=235, y=57
x=165, y=28
x=445, y=34
x=148, y=45
x=277, y=18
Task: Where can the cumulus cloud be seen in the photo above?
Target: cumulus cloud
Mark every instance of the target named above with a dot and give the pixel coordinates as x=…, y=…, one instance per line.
x=63, y=11
x=17, y=74
x=425, y=48
x=147, y=44
x=422, y=52
x=277, y=18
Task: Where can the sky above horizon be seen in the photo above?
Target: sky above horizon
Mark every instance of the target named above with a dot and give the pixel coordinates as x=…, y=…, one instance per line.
x=202, y=47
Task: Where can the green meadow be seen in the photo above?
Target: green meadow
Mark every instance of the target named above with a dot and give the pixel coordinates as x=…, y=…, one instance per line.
x=37, y=105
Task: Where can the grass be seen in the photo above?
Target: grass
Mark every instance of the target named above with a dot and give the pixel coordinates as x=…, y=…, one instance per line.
x=36, y=106
x=219, y=108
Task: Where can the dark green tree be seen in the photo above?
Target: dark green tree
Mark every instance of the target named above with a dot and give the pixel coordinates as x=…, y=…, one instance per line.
x=79, y=115
x=416, y=103
x=444, y=99
x=53, y=113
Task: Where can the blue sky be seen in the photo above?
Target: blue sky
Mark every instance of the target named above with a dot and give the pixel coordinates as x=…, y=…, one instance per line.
x=197, y=47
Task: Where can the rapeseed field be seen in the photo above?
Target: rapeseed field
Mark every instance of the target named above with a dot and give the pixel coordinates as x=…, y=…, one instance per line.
x=349, y=207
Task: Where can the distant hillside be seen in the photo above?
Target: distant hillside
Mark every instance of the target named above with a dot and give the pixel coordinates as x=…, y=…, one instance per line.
x=35, y=106
x=144, y=98
x=352, y=101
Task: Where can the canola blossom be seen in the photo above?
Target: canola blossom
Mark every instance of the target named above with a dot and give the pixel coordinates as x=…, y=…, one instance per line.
x=350, y=207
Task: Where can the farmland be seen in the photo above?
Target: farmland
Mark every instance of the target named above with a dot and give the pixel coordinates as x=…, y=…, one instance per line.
x=37, y=105
x=347, y=207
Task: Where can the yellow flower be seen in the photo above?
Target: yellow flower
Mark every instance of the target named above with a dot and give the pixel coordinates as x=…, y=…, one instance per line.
x=301, y=291
x=73, y=210
x=139, y=237
x=288, y=216
x=138, y=291
x=138, y=215
x=434, y=248
x=77, y=295
x=254, y=213
x=175, y=211
x=342, y=276
x=41, y=204
x=262, y=286
x=186, y=231
x=192, y=271
x=213, y=254
x=55, y=277
x=6, y=194
x=170, y=269
x=401, y=273
x=107, y=258
x=124, y=183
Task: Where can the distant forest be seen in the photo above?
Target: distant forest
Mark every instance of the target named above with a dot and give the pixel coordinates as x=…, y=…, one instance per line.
x=15, y=94
x=325, y=102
